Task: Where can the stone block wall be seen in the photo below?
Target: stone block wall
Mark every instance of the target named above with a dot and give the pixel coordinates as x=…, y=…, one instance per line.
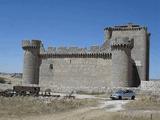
x=150, y=85
x=140, y=52
x=91, y=68
x=76, y=73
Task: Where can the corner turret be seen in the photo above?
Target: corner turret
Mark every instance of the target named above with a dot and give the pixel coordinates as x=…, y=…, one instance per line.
x=31, y=61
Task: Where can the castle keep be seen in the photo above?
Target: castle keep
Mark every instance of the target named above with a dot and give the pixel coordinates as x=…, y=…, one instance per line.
x=121, y=61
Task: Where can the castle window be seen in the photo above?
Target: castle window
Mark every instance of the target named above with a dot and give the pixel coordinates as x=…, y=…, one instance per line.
x=51, y=66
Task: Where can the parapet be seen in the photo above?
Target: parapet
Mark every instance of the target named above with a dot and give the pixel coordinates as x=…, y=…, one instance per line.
x=122, y=42
x=26, y=44
x=129, y=26
x=75, y=50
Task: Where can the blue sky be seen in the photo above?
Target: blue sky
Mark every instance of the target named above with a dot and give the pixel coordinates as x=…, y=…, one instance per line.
x=72, y=23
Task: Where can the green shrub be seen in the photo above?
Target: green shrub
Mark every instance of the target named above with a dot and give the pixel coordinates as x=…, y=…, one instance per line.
x=2, y=80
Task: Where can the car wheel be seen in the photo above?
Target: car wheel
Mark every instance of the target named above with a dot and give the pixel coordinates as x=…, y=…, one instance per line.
x=133, y=97
x=113, y=98
x=120, y=97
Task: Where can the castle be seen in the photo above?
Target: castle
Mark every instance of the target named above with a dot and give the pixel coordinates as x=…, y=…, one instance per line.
x=121, y=61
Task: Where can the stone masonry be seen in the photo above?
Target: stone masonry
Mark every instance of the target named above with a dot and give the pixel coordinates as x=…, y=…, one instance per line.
x=121, y=61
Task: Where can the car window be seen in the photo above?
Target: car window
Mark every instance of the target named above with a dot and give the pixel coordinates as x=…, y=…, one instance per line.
x=119, y=91
x=129, y=91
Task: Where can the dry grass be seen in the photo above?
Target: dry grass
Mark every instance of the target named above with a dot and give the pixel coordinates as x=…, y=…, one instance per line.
x=138, y=107
x=90, y=93
x=132, y=116
x=145, y=103
x=21, y=106
x=53, y=109
x=101, y=115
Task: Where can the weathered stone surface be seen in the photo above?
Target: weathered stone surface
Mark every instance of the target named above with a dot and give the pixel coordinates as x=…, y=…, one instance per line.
x=122, y=60
x=140, y=50
x=31, y=61
x=75, y=72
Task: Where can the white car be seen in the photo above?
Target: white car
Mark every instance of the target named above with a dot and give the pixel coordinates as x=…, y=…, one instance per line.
x=123, y=94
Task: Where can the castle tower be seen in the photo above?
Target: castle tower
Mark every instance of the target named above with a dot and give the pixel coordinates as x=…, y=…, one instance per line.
x=121, y=62
x=140, y=52
x=31, y=61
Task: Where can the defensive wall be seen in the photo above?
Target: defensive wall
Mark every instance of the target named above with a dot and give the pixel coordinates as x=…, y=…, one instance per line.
x=121, y=61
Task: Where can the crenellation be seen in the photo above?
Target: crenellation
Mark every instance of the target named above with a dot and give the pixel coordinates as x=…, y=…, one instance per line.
x=128, y=27
x=62, y=50
x=36, y=43
x=74, y=50
x=51, y=50
x=123, y=42
x=82, y=50
x=94, y=49
x=25, y=43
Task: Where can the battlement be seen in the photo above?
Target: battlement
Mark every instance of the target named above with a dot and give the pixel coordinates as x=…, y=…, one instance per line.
x=122, y=42
x=76, y=50
x=126, y=27
x=76, y=55
x=26, y=44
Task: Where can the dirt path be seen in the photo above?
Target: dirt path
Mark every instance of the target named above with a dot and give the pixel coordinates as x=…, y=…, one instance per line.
x=115, y=105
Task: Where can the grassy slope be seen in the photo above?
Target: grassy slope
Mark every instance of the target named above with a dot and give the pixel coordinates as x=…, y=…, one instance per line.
x=21, y=106
x=145, y=103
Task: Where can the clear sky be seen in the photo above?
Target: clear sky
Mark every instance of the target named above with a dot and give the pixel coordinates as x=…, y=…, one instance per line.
x=72, y=23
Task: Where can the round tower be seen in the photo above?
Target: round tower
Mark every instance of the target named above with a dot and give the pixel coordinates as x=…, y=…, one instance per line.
x=31, y=61
x=121, y=62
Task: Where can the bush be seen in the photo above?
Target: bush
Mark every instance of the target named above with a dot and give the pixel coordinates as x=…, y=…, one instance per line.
x=2, y=80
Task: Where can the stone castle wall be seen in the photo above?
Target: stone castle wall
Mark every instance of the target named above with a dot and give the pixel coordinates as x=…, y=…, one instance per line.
x=99, y=67
x=78, y=73
x=140, y=51
x=151, y=85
